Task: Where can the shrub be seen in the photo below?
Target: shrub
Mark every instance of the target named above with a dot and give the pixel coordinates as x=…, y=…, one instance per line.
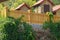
x=9, y=29
x=15, y=29
x=54, y=28
x=27, y=33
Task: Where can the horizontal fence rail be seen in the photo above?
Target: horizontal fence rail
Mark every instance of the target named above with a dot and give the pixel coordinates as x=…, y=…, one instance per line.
x=31, y=17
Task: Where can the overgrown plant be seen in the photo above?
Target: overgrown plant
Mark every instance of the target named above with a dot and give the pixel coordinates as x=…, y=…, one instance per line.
x=29, y=33
x=15, y=29
x=54, y=28
x=9, y=29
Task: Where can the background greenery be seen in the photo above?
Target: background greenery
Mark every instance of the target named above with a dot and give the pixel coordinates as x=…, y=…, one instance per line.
x=14, y=3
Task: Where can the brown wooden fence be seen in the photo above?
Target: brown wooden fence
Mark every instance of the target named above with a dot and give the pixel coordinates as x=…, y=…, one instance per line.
x=32, y=17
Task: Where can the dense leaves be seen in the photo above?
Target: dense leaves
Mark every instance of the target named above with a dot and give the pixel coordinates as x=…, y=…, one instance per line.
x=54, y=28
x=14, y=3
x=15, y=29
x=56, y=1
x=26, y=32
x=9, y=30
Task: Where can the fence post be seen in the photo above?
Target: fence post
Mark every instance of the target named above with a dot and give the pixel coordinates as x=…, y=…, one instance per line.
x=29, y=11
x=5, y=12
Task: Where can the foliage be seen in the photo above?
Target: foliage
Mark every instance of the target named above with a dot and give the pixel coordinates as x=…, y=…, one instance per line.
x=15, y=3
x=1, y=7
x=15, y=29
x=54, y=28
x=9, y=30
x=50, y=14
x=28, y=32
x=56, y=2
x=12, y=4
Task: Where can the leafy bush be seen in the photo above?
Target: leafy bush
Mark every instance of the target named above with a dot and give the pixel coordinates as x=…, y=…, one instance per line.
x=54, y=28
x=30, y=34
x=15, y=29
x=9, y=29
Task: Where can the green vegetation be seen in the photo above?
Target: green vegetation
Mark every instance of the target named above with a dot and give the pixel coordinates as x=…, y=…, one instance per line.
x=27, y=33
x=1, y=7
x=56, y=2
x=15, y=29
x=15, y=3
x=54, y=28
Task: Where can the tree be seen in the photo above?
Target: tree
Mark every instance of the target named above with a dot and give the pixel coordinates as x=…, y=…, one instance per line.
x=56, y=1
x=15, y=3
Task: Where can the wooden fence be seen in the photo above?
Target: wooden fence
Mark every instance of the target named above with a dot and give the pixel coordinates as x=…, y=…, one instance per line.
x=28, y=16
x=32, y=17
